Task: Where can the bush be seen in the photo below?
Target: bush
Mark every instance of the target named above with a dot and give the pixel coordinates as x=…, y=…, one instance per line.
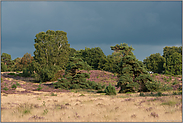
x=153, y=86
x=5, y=88
x=159, y=94
x=57, y=75
x=142, y=94
x=110, y=90
x=39, y=87
x=11, y=73
x=14, y=86
x=3, y=67
x=26, y=73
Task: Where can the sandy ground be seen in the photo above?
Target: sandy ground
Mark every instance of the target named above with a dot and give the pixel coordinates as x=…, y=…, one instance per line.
x=89, y=107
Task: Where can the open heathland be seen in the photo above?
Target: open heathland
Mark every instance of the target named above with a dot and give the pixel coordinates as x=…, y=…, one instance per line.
x=23, y=100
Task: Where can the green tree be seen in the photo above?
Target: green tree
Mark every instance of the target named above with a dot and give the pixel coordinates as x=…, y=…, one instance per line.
x=94, y=57
x=75, y=79
x=132, y=74
x=6, y=59
x=174, y=64
x=154, y=63
x=17, y=66
x=3, y=67
x=26, y=60
x=52, y=49
x=173, y=57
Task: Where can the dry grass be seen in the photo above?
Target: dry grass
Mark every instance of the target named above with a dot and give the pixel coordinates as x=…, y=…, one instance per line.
x=72, y=107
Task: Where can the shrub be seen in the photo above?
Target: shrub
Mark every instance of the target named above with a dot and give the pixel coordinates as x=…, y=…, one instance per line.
x=14, y=86
x=175, y=82
x=39, y=87
x=110, y=90
x=170, y=78
x=52, y=94
x=165, y=79
x=3, y=67
x=5, y=88
x=159, y=94
x=11, y=73
x=153, y=86
x=26, y=73
x=75, y=79
x=18, y=84
x=142, y=94
x=57, y=75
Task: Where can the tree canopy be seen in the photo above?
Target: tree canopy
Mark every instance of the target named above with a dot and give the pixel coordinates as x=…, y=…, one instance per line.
x=94, y=57
x=51, y=54
x=132, y=74
x=154, y=63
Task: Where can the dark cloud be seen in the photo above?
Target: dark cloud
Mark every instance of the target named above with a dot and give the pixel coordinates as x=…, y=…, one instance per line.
x=150, y=24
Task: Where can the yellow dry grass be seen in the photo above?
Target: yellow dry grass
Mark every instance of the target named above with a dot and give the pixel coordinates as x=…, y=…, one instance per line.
x=89, y=107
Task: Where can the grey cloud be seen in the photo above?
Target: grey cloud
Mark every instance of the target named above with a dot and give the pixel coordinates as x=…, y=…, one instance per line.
x=89, y=23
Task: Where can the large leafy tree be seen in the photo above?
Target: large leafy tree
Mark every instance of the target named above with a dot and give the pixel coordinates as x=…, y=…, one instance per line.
x=154, y=63
x=51, y=54
x=94, y=57
x=132, y=74
x=173, y=57
x=52, y=48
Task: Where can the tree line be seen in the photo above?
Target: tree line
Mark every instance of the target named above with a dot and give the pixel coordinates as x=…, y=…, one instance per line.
x=53, y=53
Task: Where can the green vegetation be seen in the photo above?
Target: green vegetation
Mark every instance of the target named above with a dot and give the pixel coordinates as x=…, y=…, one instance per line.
x=81, y=95
x=52, y=94
x=170, y=63
x=158, y=94
x=94, y=57
x=154, y=63
x=39, y=87
x=110, y=90
x=11, y=73
x=53, y=58
x=132, y=74
x=5, y=88
x=169, y=103
x=45, y=111
x=74, y=78
x=14, y=86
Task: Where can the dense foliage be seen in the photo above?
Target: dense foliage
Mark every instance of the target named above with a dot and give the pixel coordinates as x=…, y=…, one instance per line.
x=51, y=54
x=6, y=59
x=169, y=63
x=74, y=79
x=3, y=67
x=173, y=56
x=155, y=63
x=94, y=57
x=110, y=90
x=53, y=59
x=132, y=74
